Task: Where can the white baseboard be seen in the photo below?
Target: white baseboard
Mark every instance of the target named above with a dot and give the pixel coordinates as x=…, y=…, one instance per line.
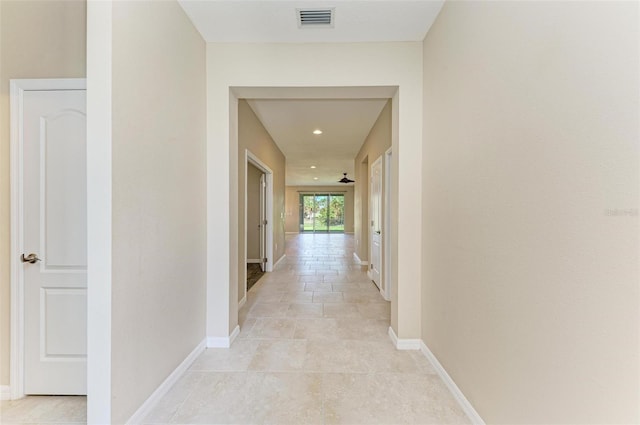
x=403, y=343
x=253, y=261
x=278, y=262
x=242, y=302
x=359, y=261
x=144, y=410
x=467, y=407
x=224, y=341
x=5, y=392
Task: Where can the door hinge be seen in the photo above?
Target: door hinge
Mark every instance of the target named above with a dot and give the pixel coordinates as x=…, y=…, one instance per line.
x=371, y=266
x=265, y=222
x=264, y=260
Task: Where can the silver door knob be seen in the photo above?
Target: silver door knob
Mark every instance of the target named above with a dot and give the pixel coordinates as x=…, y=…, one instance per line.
x=31, y=258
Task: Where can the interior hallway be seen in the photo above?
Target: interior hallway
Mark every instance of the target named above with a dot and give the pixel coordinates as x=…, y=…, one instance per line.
x=313, y=349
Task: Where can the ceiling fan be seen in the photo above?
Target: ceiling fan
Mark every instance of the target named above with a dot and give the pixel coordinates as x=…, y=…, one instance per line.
x=345, y=179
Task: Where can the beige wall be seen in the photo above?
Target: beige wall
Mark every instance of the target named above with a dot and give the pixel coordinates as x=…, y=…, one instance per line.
x=375, y=145
x=38, y=39
x=530, y=208
x=253, y=136
x=159, y=198
x=253, y=212
x=292, y=209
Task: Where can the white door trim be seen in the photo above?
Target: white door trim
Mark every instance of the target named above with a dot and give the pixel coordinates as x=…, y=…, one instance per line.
x=386, y=227
x=16, y=144
x=251, y=158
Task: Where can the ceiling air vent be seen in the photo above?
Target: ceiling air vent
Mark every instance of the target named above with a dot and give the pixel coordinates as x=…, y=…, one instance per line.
x=315, y=18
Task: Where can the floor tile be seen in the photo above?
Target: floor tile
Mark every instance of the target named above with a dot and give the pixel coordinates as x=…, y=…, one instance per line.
x=279, y=355
x=298, y=297
x=363, y=297
x=273, y=328
x=345, y=287
x=364, y=329
x=336, y=356
x=328, y=297
x=317, y=328
x=44, y=409
x=173, y=400
x=221, y=398
x=316, y=287
x=304, y=310
x=374, y=310
x=268, y=310
x=386, y=398
x=341, y=310
x=245, y=326
x=236, y=358
x=290, y=398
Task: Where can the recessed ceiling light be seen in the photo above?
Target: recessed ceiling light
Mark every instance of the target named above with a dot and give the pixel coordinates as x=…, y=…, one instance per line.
x=313, y=166
x=315, y=178
x=316, y=132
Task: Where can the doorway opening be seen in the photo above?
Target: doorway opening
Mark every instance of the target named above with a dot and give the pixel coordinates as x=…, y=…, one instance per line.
x=322, y=213
x=284, y=213
x=258, y=213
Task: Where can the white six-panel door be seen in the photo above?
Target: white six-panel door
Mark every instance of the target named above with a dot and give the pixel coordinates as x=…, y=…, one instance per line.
x=54, y=226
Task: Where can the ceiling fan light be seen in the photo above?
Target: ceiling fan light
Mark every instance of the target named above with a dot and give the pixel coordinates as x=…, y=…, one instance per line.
x=345, y=179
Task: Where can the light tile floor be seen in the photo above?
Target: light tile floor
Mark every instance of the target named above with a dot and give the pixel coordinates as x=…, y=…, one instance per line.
x=313, y=349
x=44, y=410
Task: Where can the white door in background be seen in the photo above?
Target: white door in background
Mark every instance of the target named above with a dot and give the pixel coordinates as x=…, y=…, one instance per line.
x=386, y=238
x=263, y=222
x=55, y=241
x=375, y=201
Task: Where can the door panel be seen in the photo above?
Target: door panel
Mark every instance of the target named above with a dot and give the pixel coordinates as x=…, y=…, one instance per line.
x=64, y=189
x=55, y=228
x=263, y=222
x=321, y=216
x=64, y=336
x=307, y=208
x=336, y=213
x=375, y=200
